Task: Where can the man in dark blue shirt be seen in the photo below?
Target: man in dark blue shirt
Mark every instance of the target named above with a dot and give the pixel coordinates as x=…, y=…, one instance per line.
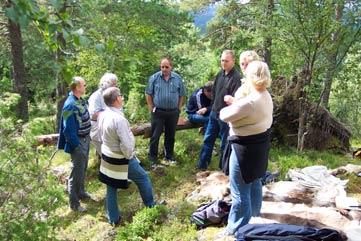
x=199, y=105
x=74, y=139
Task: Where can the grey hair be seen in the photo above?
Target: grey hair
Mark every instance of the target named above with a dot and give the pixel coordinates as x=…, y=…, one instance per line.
x=108, y=80
x=75, y=82
x=110, y=95
x=230, y=52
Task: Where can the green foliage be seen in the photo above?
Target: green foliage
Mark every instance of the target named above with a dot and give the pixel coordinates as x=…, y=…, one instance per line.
x=128, y=39
x=195, y=61
x=9, y=100
x=135, y=107
x=42, y=109
x=144, y=223
x=5, y=82
x=21, y=11
x=28, y=193
x=195, y=6
x=88, y=38
x=177, y=229
x=40, y=126
x=346, y=93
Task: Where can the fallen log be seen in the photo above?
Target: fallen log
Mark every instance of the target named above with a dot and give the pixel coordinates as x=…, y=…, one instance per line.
x=138, y=130
x=324, y=131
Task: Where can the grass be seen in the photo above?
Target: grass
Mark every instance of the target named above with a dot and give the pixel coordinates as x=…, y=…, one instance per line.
x=173, y=185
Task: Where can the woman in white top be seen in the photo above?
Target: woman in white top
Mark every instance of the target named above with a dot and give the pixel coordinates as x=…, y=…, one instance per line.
x=250, y=119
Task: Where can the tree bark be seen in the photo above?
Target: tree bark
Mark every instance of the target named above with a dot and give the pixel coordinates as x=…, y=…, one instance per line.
x=331, y=59
x=138, y=130
x=303, y=124
x=20, y=84
x=268, y=40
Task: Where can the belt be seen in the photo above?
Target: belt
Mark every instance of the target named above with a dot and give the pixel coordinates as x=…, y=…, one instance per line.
x=167, y=109
x=83, y=136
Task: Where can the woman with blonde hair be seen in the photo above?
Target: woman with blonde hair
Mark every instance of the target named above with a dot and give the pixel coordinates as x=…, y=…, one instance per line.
x=250, y=119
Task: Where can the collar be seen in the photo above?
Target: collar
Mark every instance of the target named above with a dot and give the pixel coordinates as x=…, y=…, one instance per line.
x=116, y=110
x=229, y=73
x=170, y=75
x=72, y=94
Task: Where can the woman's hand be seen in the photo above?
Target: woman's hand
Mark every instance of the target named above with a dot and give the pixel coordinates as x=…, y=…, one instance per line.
x=228, y=99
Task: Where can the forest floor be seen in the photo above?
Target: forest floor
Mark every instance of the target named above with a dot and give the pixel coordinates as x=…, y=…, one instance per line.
x=172, y=184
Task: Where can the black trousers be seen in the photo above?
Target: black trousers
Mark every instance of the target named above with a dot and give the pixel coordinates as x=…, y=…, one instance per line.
x=163, y=120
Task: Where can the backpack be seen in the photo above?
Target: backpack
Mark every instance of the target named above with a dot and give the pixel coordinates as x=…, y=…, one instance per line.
x=213, y=213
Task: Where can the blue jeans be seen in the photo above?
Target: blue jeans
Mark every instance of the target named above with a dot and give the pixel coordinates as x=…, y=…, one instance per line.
x=137, y=174
x=199, y=119
x=215, y=128
x=246, y=198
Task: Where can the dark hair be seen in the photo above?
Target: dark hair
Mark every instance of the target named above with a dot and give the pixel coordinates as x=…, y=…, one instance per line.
x=208, y=86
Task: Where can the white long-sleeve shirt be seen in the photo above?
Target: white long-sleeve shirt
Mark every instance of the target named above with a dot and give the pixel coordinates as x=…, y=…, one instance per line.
x=116, y=136
x=249, y=115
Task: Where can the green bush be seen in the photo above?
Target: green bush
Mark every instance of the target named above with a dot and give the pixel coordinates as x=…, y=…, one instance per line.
x=135, y=107
x=144, y=224
x=28, y=195
x=40, y=126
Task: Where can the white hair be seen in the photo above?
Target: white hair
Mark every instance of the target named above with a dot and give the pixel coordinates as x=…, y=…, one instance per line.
x=108, y=80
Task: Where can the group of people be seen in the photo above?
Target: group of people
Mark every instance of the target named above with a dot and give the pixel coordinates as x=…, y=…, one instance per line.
x=238, y=110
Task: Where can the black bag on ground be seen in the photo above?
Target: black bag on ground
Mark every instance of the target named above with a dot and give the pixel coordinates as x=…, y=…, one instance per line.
x=213, y=213
x=285, y=232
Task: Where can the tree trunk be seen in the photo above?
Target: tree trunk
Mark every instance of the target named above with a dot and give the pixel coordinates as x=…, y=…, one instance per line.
x=331, y=59
x=138, y=130
x=303, y=124
x=20, y=85
x=268, y=40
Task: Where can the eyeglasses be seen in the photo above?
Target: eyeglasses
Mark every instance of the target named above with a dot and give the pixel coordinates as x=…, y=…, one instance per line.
x=165, y=67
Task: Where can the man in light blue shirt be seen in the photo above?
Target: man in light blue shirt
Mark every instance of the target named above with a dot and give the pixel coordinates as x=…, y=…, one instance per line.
x=165, y=94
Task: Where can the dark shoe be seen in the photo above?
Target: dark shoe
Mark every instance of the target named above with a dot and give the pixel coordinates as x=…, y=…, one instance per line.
x=85, y=196
x=79, y=209
x=153, y=160
x=116, y=223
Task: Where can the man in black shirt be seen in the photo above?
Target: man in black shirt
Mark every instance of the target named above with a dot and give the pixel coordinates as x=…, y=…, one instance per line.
x=227, y=81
